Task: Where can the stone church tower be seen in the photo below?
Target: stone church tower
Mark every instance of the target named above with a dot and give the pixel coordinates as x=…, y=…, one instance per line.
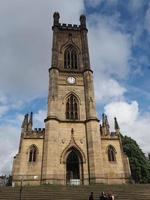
x=74, y=148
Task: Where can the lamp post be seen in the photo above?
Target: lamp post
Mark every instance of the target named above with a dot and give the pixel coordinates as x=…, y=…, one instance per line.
x=21, y=187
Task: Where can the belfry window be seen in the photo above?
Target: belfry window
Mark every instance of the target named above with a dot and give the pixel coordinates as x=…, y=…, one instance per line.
x=72, y=108
x=70, y=58
x=33, y=153
x=111, y=154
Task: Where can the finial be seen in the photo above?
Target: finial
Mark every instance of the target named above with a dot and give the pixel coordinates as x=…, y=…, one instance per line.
x=30, y=124
x=103, y=119
x=106, y=121
x=83, y=21
x=31, y=119
x=56, y=17
x=116, y=124
x=25, y=121
x=105, y=125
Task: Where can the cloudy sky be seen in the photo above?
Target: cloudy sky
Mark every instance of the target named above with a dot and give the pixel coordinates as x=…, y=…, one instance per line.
x=119, y=41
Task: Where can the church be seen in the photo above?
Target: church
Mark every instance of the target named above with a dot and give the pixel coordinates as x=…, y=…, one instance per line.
x=75, y=147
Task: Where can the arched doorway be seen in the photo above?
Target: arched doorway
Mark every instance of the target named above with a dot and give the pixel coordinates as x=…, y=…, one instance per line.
x=73, y=168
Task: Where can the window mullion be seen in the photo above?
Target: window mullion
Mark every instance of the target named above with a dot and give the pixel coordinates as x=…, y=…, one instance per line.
x=73, y=59
x=73, y=109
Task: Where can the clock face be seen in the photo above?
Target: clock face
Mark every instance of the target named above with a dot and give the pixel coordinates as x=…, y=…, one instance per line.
x=71, y=80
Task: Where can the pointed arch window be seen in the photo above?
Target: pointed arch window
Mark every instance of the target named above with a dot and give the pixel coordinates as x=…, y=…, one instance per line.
x=70, y=58
x=111, y=154
x=33, y=153
x=72, y=108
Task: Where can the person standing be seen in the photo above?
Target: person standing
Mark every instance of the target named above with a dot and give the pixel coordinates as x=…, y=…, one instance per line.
x=103, y=196
x=91, y=197
x=111, y=196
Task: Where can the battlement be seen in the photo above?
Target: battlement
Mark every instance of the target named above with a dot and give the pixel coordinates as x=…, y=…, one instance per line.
x=39, y=130
x=73, y=27
x=36, y=133
x=111, y=136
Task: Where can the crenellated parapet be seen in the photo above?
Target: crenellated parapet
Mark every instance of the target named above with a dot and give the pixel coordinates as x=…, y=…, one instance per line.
x=36, y=133
x=69, y=27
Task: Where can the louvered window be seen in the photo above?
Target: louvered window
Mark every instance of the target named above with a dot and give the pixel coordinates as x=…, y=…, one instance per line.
x=72, y=108
x=33, y=154
x=70, y=58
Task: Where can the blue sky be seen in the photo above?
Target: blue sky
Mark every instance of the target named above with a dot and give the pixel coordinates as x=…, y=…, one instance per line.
x=119, y=42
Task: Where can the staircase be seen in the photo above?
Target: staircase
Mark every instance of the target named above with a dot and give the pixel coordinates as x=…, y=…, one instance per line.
x=51, y=192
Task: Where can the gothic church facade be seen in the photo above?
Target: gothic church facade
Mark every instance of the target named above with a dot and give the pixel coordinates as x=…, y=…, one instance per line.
x=74, y=147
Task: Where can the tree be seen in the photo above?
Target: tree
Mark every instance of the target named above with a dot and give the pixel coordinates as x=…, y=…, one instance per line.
x=140, y=166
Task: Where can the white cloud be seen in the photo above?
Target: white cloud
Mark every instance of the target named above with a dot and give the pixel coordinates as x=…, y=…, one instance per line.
x=110, y=52
x=135, y=5
x=6, y=104
x=147, y=19
x=39, y=117
x=107, y=89
x=131, y=121
x=4, y=107
x=110, y=48
x=26, y=40
x=3, y=99
x=125, y=112
x=9, y=146
x=94, y=3
x=25, y=49
x=70, y=10
x=20, y=118
x=3, y=110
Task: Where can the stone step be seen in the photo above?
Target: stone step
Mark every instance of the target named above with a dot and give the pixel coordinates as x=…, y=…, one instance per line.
x=50, y=192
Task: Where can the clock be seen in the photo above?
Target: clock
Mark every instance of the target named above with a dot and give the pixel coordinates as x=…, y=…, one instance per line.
x=71, y=80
